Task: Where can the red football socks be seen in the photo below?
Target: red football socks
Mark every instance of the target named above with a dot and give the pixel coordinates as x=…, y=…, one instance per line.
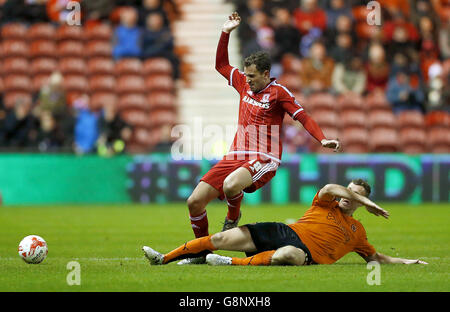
x=234, y=206
x=199, y=224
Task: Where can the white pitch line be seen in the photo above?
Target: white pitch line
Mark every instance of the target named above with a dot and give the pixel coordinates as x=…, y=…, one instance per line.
x=84, y=259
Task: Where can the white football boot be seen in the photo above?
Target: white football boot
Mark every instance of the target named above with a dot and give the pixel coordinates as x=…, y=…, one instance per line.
x=153, y=256
x=214, y=259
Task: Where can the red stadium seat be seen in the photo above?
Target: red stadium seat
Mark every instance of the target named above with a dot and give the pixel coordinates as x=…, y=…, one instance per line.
x=71, y=48
x=380, y=119
x=101, y=66
x=411, y=119
x=130, y=84
x=128, y=66
x=20, y=83
x=16, y=65
x=136, y=117
x=353, y=119
x=355, y=140
x=43, y=48
x=291, y=81
x=14, y=31
x=136, y=101
x=438, y=119
x=350, y=102
x=101, y=31
x=158, y=65
x=72, y=66
x=14, y=48
x=326, y=119
x=11, y=98
x=320, y=102
x=383, y=140
x=156, y=83
x=377, y=101
x=99, y=100
x=41, y=31
x=145, y=136
x=43, y=66
x=413, y=140
x=163, y=117
x=291, y=64
x=165, y=100
x=70, y=32
x=39, y=80
x=76, y=83
x=102, y=83
x=96, y=48
x=439, y=140
x=360, y=12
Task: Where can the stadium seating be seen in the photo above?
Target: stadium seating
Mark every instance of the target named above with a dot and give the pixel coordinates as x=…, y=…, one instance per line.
x=383, y=140
x=411, y=119
x=382, y=119
x=439, y=140
x=413, y=140
x=353, y=120
x=355, y=140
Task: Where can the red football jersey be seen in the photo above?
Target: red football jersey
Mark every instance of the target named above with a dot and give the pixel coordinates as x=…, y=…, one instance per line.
x=261, y=117
x=261, y=114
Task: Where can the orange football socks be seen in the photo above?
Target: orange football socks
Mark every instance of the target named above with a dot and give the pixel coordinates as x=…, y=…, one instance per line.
x=262, y=258
x=195, y=248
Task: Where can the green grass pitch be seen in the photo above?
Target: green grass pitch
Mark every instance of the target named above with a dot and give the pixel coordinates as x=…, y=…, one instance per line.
x=106, y=241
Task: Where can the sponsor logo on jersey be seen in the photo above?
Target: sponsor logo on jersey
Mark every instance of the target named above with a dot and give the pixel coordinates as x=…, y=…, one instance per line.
x=251, y=101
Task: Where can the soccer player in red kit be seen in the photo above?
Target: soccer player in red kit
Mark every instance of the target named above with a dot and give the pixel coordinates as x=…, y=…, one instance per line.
x=255, y=153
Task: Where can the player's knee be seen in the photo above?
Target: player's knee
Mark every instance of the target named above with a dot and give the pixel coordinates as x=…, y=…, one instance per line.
x=289, y=255
x=231, y=186
x=195, y=205
x=218, y=239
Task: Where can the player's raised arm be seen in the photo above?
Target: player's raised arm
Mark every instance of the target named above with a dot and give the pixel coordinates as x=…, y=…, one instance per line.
x=222, y=61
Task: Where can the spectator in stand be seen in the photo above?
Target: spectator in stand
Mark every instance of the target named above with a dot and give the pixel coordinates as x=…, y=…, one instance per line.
x=444, y=40
x=19, y=126
x=394, y=6
x=295, y=138
x=402, y=95
x=150, y=7
x=14, y=11
x=57, y=10
x=349, y=77
x=98, y=10
x=158, y=41
x=287, y=37
x=438, y=93
x=114, y=132
x=310, y=15
x=337, y=8
x=344, y=25
x=342, y=51
x=50, y=137
x=317, y=70
x=127, y=35
x=86, y=126
x=246, y=9
x=264, y=36
x=400, y=35
x=377, y=68
x=52, y=96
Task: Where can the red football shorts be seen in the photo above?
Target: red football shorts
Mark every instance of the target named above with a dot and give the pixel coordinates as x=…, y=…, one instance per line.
x=262, y=171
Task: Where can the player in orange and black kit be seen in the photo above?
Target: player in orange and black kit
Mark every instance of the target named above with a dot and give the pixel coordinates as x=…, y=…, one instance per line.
x=326, y=232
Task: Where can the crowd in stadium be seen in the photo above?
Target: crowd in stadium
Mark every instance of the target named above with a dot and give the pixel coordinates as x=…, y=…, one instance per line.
x=59, y=112
x=318, y=47
x=328, y=46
